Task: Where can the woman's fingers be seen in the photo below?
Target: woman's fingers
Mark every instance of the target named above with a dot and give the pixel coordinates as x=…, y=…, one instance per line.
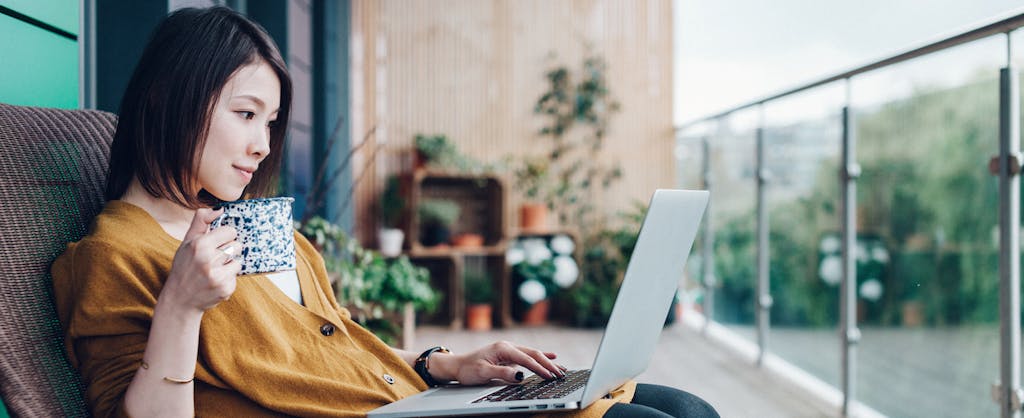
x=201, y=223
x=506, y=373
x=514, y=354
x=544, y=360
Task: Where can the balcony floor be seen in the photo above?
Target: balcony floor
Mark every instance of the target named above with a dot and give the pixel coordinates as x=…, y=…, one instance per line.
x=682, y=359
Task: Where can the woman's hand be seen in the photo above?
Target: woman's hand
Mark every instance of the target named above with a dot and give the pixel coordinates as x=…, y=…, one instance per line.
x=495, y=361
x=203, y=273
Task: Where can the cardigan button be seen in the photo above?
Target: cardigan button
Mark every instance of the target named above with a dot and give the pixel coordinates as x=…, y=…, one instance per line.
x=389, y=379
x=327, y=330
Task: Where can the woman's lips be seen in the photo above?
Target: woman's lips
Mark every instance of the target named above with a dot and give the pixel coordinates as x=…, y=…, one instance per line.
x=245, y=173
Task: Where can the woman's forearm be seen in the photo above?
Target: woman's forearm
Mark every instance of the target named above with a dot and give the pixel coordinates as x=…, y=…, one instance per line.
x=408, y=356
x=171, y=352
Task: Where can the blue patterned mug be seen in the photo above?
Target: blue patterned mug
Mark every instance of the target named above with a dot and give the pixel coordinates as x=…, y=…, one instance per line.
x=265, y=231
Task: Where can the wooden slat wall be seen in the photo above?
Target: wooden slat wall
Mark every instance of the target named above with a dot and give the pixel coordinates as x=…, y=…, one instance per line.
x=473, y=69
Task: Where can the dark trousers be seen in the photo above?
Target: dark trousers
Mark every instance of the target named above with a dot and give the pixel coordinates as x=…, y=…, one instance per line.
x=656, y=401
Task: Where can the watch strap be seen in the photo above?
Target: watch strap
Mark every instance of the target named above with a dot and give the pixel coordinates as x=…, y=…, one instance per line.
x=422, y=366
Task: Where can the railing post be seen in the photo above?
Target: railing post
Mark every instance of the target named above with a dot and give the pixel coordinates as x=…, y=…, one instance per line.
x=764, y=297
x=849, y=333
x=1008, y=392
x=708, y=238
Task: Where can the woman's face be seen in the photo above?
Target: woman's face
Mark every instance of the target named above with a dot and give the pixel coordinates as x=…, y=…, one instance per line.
x=239, y=135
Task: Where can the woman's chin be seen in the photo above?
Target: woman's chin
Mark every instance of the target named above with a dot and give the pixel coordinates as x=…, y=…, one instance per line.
x=220, y=195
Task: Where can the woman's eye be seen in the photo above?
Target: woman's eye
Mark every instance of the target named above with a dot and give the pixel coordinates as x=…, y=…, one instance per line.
x=247, y=115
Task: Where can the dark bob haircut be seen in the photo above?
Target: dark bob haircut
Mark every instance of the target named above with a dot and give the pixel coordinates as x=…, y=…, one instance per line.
x=166, y=109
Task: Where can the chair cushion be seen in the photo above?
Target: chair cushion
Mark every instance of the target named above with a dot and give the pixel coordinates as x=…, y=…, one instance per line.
x=53, y=166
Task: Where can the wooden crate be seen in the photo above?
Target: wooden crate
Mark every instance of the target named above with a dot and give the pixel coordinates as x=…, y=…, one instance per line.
x=481, y=199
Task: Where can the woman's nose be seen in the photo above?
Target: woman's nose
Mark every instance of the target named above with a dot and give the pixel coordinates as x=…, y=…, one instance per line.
x=260, y=144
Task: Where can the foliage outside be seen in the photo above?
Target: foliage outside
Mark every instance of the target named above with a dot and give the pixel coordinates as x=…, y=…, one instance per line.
x=927, y=223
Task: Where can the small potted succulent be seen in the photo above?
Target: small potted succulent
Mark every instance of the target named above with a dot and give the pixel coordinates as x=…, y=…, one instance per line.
x=436, y=219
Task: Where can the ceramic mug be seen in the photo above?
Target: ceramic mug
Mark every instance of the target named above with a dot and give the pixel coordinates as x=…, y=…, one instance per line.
x=264, y=229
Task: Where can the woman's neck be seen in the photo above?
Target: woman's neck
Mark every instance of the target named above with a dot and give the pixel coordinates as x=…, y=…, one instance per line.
x=174, y=218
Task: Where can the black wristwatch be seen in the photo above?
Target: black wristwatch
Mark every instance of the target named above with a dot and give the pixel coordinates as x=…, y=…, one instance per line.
x=422, y=366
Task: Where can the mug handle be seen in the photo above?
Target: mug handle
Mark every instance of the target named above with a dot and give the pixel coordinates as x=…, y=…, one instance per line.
x=217, y=223
x=220, y=220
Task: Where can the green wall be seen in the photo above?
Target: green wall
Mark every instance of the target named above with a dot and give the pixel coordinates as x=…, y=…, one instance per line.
x=41, y=61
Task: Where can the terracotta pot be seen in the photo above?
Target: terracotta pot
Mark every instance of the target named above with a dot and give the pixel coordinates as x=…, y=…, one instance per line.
x=537, y=314
x=468, y=240
x=913, y=313
x=478, y=317
x=533, y=216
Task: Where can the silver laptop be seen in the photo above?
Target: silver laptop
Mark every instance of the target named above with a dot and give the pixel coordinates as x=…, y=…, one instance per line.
x=637, y=318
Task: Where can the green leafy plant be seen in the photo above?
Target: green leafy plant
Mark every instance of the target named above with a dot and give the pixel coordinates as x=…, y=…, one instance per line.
x=439, y=152
x=478, y=287
x=438, y=212
x=575, y=168
x=532, y=180
x=543, y=272
x=436, y=150
x=372, y=287
x=392, y=204
x=605, y=258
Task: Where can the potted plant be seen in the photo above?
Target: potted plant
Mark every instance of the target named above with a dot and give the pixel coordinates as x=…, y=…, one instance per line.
x=436, y=219
x=434, y=150
x=605, y=259
x=391, y=236
x=532, y=179
x=541, y=268
x=375, y=289
x=479, y=296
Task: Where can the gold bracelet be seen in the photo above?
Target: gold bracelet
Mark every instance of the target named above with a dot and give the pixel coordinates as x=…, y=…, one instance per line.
x=171, y=379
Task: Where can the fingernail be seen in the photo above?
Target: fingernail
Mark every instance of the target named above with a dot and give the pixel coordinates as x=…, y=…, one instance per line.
x=519, y=376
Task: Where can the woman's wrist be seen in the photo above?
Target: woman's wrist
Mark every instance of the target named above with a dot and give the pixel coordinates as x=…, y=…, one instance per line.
x=443, y=366
x=166, y=306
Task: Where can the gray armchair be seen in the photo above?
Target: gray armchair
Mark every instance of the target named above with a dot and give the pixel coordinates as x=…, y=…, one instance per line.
x=53, y=166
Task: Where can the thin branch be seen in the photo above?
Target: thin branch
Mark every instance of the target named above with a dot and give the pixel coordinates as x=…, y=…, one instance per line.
x=315, y=200
x=356, y=181
x=314, y=190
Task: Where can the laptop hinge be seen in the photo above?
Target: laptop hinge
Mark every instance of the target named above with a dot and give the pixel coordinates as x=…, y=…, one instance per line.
x=1015, y=396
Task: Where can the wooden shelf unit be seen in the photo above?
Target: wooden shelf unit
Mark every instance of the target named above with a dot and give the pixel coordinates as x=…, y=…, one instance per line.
x=482, y=203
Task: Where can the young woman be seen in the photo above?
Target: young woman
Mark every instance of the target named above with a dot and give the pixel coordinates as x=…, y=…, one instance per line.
x=155, y=316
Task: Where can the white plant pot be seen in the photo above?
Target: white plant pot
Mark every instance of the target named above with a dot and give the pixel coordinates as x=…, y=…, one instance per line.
x=390, y=240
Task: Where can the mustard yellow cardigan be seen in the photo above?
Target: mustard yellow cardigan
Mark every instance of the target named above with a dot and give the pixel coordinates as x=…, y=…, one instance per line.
x=260, y=353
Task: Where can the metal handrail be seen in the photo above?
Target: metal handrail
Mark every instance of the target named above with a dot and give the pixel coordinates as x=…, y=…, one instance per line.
x=993, y=26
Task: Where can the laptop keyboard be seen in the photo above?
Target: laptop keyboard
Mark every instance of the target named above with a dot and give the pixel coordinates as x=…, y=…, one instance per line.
x=535, y=387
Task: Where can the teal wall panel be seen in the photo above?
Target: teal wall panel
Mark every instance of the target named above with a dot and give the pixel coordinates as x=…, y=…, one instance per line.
x=40, y=68
x=60, y=13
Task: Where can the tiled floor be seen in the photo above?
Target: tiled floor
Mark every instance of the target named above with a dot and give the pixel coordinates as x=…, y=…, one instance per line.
x=682, y=359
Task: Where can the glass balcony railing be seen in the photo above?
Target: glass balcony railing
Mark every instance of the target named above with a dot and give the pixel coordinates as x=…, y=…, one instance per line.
x=924, y=269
